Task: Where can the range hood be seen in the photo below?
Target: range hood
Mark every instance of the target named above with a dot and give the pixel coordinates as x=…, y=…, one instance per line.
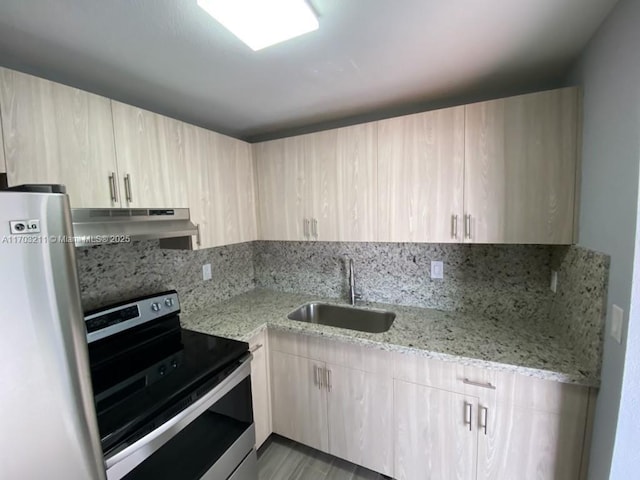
x=96, y=226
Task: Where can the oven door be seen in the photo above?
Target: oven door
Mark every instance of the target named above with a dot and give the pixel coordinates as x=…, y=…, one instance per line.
x=211, y=439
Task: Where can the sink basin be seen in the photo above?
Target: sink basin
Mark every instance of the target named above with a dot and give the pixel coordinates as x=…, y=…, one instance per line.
x=372, y=321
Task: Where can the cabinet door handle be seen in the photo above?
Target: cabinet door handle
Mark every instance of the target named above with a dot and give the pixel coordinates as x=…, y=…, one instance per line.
x=467, y=226
x=198, y=235
x=488, y=385
x=454, y=226
x=255, y=348
x=316, y=378
x=328, y=379
x=484, y=415
x=305, y=228
x=314, y=228
x=468, y=414
x=127, y=188
x=112, y=187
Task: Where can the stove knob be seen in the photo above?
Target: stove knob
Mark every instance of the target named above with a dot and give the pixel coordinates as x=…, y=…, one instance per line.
x=162, y=370
x=174, y=363
x=168, y=302
x=155, y=307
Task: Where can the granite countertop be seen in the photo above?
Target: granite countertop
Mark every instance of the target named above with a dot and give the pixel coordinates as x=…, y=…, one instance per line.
x=527, y=348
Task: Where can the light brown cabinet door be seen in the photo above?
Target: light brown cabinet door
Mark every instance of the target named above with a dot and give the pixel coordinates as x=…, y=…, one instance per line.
x=151, y=158
x=58, y=134
x=360, y=419
x=520, y=168
x=299, y=404
x=432, y=440
x=535, y=430
x=260, y=388
x=281, y=189
x=342, y=188
x=420, y=177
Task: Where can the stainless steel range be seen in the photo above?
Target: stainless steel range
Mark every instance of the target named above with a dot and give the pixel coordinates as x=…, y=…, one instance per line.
x=171, y=403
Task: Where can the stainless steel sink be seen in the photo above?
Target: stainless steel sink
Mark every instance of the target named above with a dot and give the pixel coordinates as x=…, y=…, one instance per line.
x=373, y=321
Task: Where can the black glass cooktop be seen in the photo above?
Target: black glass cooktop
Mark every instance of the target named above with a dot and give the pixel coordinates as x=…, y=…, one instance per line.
x=145, y=375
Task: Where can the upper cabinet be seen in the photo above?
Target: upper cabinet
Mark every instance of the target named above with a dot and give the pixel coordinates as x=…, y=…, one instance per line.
x=151, y=158
x=342, y=176
x=280, y=168
x=221, y=180
x=502, y=171
x=58, y=134
x=320, y=186
x=421, y=168
x=520, y=168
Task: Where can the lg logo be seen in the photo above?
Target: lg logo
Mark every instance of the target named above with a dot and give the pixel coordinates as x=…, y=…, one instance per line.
x=25, y=226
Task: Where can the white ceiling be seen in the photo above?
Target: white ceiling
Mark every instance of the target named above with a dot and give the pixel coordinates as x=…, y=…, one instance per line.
x=369, y=58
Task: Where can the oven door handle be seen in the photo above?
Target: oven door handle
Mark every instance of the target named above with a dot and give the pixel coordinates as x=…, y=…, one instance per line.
x=140, y=450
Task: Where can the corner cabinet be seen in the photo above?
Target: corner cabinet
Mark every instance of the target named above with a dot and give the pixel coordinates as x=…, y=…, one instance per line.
x=320, y=186
x=221, y=187
x=58, y=134
x=520, y=168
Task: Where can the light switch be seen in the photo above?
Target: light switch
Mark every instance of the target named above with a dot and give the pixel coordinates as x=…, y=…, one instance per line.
x=206, y=271
x=437, y=269
x=617, y=316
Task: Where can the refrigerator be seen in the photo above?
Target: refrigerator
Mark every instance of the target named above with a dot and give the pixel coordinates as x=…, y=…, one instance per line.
x=48, y=427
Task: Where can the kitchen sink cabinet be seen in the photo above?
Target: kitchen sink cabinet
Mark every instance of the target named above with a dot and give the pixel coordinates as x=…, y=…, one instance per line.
x=521, y=158
x=221, y=188
x=151, y=158
x=319, y=401
x=319, y=186
x=57, y=134
x=360, y=425
x=260, y=388
x=421, y=169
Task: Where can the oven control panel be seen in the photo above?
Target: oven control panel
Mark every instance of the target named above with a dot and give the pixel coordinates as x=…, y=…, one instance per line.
x=108, y=321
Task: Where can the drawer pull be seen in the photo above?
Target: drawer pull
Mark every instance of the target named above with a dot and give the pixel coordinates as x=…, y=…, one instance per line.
x=255, y=348
x=478, y=384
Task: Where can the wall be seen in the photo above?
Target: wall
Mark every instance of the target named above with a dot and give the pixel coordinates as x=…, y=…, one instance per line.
x=493, y=280
x=111, y=273
x=609, y=70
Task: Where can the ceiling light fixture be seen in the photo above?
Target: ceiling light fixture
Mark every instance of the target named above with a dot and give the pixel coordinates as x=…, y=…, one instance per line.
x=262, y=23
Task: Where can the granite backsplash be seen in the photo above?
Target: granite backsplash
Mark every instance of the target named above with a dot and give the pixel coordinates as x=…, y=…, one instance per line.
x=494, y=280
x=111, y=273
x=501, y=281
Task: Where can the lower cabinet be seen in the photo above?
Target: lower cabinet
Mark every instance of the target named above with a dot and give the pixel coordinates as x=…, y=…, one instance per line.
x=434, y=435
x=334, y=409
x=260, y=388
x=415, y=418
x=299, y=401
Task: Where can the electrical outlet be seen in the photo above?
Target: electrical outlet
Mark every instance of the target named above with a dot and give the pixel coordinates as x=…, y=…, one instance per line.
x=206, y=271
x=437, y=269
x=554, y=281
x=617, y=316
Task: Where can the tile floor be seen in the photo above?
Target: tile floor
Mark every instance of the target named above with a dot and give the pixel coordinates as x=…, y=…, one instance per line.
x=283, y=459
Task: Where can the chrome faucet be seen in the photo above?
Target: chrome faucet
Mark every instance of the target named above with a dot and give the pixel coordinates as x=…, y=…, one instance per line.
x=353, y=296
